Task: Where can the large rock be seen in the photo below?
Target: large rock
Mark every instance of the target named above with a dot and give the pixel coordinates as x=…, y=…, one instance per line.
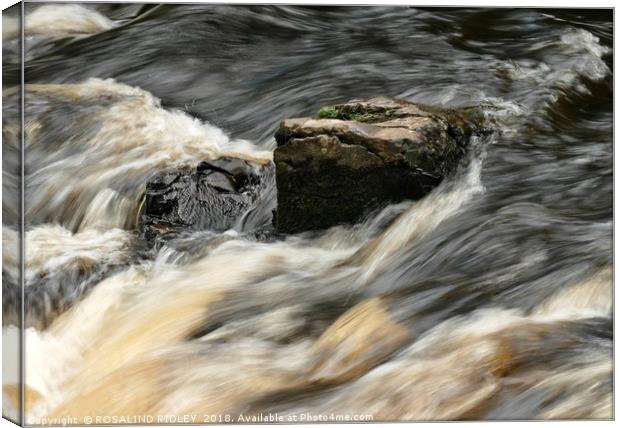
x=355, y=157
x=226, y=193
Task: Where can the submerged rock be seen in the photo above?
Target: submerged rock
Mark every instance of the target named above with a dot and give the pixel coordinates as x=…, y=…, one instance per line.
x=226, y=193
x=355, y=157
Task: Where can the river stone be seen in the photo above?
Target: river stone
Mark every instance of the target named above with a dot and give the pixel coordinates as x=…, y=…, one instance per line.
x=218, y=195
x=355, y=157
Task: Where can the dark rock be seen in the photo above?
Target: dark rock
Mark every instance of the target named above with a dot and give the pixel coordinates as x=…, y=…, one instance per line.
x=354, y=157
x=226, y=193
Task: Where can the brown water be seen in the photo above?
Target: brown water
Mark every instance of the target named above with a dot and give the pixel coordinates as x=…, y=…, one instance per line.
x=491, y=298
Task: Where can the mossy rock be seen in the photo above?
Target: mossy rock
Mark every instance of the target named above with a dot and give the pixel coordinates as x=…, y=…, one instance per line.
x=355, y=157
x=357, y=113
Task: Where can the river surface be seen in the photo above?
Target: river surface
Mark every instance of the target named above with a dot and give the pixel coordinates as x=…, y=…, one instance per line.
x=490, y=298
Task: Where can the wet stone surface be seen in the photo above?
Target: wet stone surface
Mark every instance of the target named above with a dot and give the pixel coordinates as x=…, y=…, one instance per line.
x=355, y=157
x=216, y=195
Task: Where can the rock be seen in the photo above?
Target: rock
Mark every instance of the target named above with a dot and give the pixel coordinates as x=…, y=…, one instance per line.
x=355, y=157
x=226, y=193
x=357, y=341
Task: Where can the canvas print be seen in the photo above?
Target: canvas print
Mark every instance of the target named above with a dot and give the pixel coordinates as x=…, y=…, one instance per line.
x=227, y=213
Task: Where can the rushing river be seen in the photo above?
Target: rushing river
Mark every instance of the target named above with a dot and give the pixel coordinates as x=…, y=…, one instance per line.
x=490, y=298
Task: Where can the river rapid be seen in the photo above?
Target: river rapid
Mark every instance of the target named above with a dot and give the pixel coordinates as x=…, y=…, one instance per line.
x=490, y=298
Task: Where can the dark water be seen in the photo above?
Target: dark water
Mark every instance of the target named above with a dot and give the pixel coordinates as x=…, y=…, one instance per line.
x=527, y=220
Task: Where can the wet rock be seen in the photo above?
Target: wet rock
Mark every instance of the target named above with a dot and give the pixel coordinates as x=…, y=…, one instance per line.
x=355, y=157
x=361, y=338
x=221, y=194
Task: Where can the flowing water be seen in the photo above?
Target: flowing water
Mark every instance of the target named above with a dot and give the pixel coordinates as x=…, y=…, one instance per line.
x=490, y=298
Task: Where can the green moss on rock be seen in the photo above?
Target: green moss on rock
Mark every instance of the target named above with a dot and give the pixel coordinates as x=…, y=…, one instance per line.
x=345, y=112
x=327, y=112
